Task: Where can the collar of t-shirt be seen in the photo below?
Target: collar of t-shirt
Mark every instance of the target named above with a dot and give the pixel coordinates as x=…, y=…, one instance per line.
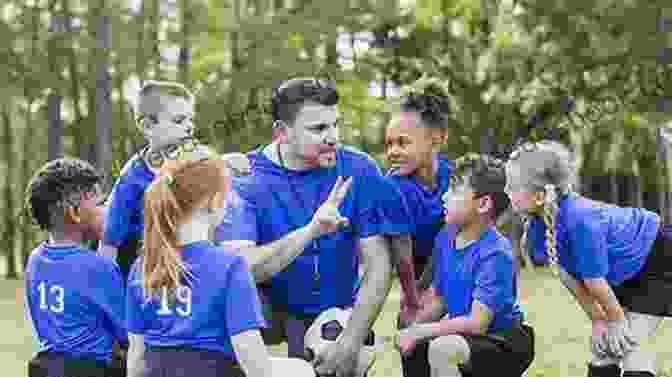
x=461, y=246
x=56, y=250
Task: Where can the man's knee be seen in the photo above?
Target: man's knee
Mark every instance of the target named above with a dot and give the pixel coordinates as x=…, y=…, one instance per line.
x=451, y=349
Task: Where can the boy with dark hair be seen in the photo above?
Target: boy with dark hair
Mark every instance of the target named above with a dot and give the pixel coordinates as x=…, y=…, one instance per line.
x=74, y=297
x=474, y=323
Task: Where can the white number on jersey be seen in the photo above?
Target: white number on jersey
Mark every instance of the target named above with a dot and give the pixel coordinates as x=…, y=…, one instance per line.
x=56, y=297
x=183, y=304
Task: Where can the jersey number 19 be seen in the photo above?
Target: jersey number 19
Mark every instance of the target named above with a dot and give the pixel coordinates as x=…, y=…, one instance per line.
x=183, y=304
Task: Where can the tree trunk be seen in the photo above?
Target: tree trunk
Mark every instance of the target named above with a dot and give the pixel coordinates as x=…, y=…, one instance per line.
x=56, y=131
x=488, y=141
x=75, y=79
x=154, y=43
x=103, y=95
x=9, y=235
x=55, y=99
x=185, y=47
x=29, y=157
x=613, y=189
x=141, y=53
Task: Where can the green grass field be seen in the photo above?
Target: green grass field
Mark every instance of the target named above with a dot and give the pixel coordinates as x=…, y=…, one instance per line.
x=562, y=332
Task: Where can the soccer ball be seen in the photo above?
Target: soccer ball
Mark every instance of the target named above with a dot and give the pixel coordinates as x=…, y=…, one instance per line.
x=327, y=329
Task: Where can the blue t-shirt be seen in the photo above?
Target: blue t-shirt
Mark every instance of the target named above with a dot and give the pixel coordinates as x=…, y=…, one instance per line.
x=482, y=271
x=219, y=302
x=425, y=206
x=125, y=219
x=599, y=240
x=536, y=244
x=75, y=299
x=277, y=201
x=232, y=213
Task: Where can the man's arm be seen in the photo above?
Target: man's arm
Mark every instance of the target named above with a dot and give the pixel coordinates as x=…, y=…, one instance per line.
x=401, y=253
x=267, y=260
x=376, y=284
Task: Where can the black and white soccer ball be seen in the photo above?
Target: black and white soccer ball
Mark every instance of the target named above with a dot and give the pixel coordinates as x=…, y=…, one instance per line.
x=327, y=329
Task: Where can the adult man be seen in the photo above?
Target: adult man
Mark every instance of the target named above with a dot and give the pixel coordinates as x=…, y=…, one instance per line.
x=307, y=211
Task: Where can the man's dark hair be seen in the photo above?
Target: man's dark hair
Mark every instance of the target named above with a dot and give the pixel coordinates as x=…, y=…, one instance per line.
x=290, y=96
x=485, y=175
x=57, y=185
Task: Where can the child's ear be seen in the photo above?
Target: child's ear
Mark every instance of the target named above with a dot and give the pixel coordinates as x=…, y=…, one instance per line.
x=439, y=137
x=539, y=198
x=71, y=215
x=280, y=131
x=485, y=204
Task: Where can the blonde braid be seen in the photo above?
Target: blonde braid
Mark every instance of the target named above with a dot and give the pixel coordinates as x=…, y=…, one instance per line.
x=548, y=214
x=524, y=244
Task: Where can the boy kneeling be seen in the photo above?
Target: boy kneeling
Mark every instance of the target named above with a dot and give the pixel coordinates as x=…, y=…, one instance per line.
x=474, y=325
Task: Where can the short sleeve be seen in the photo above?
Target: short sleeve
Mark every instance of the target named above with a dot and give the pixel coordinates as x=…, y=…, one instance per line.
x=589, y=246
x=243, y=309
x=536, y=241
x=382, y=208
x=494, y=281
x=240, y=219
x=442, y=241
x=232, y=215
x=135, y=302
x=393, y=210
x=123, y=201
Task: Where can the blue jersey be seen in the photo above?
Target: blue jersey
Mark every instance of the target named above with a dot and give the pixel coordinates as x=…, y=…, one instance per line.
x=277, y=201
x=125, y=215
x=217, y=303
x=536, y=243
x=75, y=299
x=425, y=206
x=483, y=271
x=598, y=240
x=233, y=203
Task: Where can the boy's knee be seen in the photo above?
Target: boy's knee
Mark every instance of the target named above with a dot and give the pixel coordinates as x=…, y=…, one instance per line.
x=451, y=349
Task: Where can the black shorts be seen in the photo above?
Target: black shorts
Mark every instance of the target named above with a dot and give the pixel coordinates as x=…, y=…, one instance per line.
x=51, y=364
x=188, y=362
x=489, y=355
x=650, y=291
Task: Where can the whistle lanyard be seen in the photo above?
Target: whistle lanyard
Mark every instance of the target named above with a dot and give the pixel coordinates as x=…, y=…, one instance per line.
x=299, y=199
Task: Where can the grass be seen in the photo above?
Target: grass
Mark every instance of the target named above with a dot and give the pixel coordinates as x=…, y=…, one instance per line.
x=562, y=332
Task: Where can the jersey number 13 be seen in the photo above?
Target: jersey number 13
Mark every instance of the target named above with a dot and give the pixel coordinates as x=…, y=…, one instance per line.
x=51, y=297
